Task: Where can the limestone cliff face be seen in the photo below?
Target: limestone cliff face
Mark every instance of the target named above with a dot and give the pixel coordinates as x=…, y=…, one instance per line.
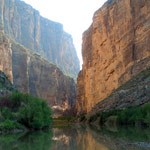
x=33, y=74
x=115, y=48
x=24, y=24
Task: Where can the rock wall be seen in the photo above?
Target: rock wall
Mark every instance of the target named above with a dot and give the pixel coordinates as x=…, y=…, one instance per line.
x=24, y=24
x=33, y=74
x=115, y=48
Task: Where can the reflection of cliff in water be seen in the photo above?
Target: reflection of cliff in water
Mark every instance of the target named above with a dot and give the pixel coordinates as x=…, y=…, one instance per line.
x=123, y=138
x=79, y=138
x=89, y=138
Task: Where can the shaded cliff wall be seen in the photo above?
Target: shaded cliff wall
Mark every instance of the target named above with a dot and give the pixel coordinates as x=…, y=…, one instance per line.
x=25, y=25
x=33, y=74
x=30, y=73
x=115, y=48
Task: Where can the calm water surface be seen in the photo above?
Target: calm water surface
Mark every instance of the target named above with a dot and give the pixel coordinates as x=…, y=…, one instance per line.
x=79, y=138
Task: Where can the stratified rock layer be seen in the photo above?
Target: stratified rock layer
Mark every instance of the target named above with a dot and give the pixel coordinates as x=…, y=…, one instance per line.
x=115, y=48
x=24, y=24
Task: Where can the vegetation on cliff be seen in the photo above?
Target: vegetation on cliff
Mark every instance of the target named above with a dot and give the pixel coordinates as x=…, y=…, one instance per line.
x=5, y=84
x=20, y=111
x=139, y=115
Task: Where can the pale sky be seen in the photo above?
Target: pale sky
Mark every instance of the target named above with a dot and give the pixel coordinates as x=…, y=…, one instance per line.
x=75, y=15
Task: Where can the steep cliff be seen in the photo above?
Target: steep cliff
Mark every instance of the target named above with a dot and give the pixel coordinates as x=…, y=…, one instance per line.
x=30, y=73
x=24, y=24
x=35, y=53
x=33, y=74
x=115, y=48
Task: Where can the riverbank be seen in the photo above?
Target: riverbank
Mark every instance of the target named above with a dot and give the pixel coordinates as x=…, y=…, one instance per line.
x=135, y=116
x=64, y=121
x=20, y=112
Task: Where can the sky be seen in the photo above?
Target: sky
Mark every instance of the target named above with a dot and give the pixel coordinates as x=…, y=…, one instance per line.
x=75, y=15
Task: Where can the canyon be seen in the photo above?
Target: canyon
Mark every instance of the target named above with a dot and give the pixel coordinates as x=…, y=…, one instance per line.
x=39, y=58
x=115, y=48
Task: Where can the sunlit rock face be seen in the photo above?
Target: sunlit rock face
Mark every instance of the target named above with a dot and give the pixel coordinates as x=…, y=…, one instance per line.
x=115, y=48
x=24, y=24
x=5, y=56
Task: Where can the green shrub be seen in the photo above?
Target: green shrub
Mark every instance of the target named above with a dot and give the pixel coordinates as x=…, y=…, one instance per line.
x=9, y=125
x=35, y=113
x=139, y=115
x=6, y=113
x=29, y=111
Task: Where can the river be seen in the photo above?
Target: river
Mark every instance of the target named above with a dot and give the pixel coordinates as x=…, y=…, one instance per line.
x=79, y=138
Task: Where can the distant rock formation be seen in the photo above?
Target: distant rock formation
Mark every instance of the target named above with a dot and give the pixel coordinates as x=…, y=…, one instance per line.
x=116, y=47
x=24, y=25
x=35, y=53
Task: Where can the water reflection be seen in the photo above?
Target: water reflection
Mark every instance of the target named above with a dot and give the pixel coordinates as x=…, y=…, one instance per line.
x=28, y=141
x=79, y=138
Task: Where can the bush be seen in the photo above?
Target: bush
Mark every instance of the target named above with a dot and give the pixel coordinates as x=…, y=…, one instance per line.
x=35, y=113
x=8, y=125
x=29, y=111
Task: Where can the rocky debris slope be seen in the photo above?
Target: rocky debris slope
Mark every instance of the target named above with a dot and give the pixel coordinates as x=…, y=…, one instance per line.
x=115, y=48
x=24, y=24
